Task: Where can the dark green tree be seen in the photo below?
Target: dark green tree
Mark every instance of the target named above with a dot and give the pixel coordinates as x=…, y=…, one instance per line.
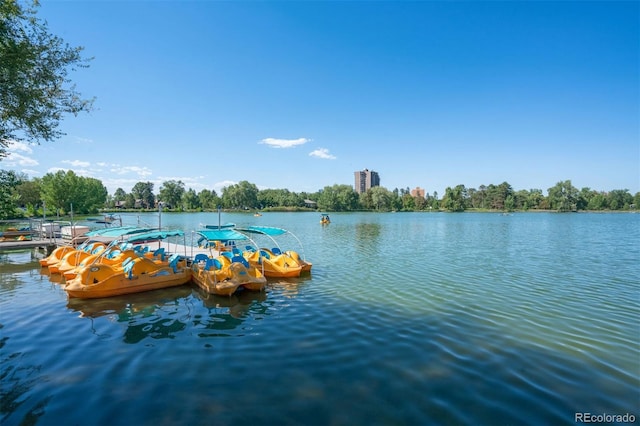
x=35, y=89
x=119, y=196
x=279, y=198
x=9, y=180
x=142, y=193
x=338, y=198
x=209, y=200
x=67, y=191
x=619, y=199
x=130, y=201
x=454, y=199
x=597, y=201
x=190, y=200
x=171, y=193
x=382, y=198
x=92, y=195
x=563, y=196
x=28, y=192
x=408, y=202
x=243, y=195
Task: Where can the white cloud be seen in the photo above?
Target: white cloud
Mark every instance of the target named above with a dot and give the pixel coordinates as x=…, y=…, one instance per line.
x=218, y=186
x=322, y=153
x=14, y=159
x=77, y=163
x=284, y=143
x=83, y=173
x=15, y=146
x=83, y=140
x=78, y=172
x=140, y=171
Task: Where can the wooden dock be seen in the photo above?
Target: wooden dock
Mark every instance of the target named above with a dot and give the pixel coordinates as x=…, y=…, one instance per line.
x=47, y=244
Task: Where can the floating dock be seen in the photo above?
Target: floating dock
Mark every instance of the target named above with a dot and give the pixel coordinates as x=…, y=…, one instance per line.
x=46, y=244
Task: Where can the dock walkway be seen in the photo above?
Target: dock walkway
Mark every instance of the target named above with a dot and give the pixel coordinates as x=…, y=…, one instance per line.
x=47, y=244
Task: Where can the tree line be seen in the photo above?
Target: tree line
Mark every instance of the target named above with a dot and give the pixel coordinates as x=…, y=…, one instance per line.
x=63, y=192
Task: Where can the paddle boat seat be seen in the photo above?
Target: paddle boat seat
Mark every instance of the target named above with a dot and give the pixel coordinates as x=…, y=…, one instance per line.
x=200, y=257
x=240, y=259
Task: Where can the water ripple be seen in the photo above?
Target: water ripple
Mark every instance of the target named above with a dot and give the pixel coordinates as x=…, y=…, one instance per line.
x=405, y=319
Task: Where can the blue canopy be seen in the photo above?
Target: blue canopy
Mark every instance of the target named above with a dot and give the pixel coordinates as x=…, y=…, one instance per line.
x=271, y=232
x=221, y=235
x=153, y=236
x=225, y=226
x=265, y=230
x=117, y=231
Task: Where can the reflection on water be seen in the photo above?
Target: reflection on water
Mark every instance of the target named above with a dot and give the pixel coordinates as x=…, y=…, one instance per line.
x=406, y=319
x=54, y=278
x=227, y=313
x=157, y=314
x=289, y=287
x=129, y=305
x=18, y=380
x=164, y=313
x=368, y=233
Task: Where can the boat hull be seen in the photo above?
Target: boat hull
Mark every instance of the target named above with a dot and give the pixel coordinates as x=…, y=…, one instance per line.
x=227, y=279
x=100, y=280
x=273, y=266
x=56, y=256
x=210, y=285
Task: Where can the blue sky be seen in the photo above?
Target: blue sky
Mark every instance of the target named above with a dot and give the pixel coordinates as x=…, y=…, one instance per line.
x=300, y=94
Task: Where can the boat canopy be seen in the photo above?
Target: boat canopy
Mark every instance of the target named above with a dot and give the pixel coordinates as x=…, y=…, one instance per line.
x=225, y=226
x=153, y=236
x=117, y=232
x=271, y=232
x=265, y=230
x=221, y=235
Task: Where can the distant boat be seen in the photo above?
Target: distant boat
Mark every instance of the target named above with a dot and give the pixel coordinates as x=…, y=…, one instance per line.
x=324, y=219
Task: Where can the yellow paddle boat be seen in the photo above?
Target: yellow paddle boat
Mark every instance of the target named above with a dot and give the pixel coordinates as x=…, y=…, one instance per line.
x=55, y=256
x=279, y=262
x=115, y=255
x=225, y=273
x=273, y=266
x=75, y=258
x=134, y=276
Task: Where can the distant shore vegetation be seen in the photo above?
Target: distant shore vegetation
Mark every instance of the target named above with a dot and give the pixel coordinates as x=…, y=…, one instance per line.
x=63, y=191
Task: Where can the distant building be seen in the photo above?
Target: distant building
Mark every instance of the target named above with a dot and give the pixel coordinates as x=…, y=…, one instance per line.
x=366, y=179
x=418, y=192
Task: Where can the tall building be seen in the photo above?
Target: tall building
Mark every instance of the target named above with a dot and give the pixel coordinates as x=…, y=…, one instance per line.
x=418, y=192
x=366, y=179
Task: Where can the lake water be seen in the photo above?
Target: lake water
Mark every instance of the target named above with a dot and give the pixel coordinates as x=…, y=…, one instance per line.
x=406, y=319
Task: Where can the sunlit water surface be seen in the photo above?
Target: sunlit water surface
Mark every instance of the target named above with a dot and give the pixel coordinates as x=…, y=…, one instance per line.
x=406, y=319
